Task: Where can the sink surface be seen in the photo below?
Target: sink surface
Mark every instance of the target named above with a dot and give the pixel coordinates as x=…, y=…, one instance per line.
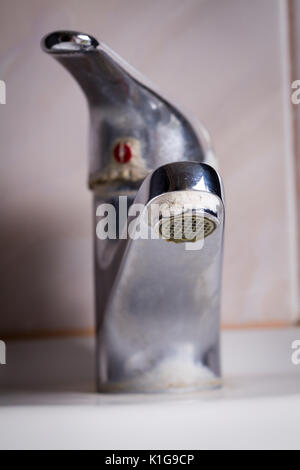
x=47, y=400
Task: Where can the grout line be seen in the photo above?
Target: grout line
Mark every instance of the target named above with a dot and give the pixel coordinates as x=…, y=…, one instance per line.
x=257, y=326
x=291, y=153
x=47, y=334
x=91, y=332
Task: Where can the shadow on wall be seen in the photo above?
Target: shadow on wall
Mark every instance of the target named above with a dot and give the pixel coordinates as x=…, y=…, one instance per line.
x=46, y=271
x=42, y=276
x=59, y=365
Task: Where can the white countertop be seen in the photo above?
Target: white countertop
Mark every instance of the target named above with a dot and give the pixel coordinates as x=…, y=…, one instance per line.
x=47, y=400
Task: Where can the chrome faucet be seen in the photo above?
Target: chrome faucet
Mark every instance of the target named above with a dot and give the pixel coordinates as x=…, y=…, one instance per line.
x=157, y=296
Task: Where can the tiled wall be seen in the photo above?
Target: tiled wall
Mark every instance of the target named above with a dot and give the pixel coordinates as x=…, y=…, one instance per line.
x=220, y=59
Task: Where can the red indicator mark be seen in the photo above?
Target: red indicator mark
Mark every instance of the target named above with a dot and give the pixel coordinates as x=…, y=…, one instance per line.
x=123, y=153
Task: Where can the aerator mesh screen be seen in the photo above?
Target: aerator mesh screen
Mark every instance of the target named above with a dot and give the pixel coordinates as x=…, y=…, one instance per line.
x=185, y=228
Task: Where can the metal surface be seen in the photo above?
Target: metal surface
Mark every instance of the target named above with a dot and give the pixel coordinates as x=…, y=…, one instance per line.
x=157, y=303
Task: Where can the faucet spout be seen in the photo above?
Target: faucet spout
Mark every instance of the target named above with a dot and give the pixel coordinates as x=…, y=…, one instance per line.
x=160, y=328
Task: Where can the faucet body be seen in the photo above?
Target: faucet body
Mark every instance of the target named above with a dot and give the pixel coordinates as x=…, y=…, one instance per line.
x=157, y=296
